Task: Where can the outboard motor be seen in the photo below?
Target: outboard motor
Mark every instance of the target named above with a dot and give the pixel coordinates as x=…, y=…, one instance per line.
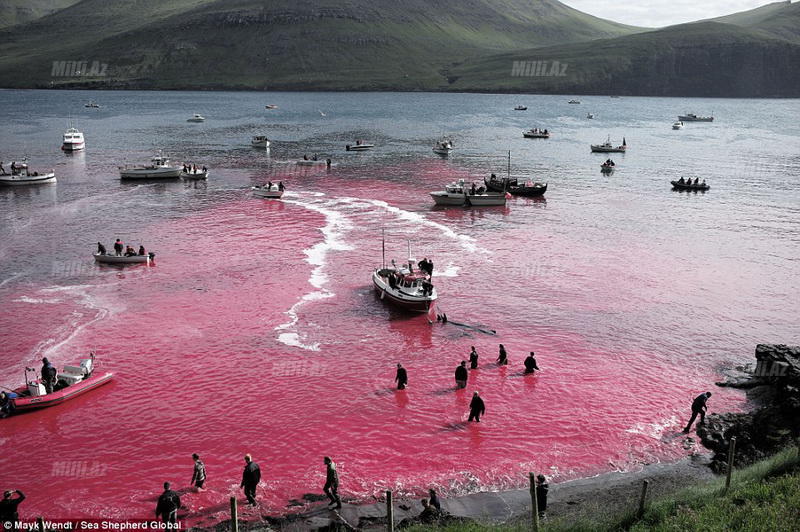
x=35, y=388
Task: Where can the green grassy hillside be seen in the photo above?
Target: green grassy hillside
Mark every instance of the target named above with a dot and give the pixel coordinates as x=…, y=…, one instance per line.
x=287, y=44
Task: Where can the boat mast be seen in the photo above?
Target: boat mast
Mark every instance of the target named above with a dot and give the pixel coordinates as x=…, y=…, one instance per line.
x=509, y=164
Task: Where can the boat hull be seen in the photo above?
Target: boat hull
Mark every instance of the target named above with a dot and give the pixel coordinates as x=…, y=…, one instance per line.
x=121, y=259
x=73, y=146
x=486, y=200
x=144, y=173
x=311, y=163
x=195, y=175
x=400, y=300
x=27, y=403
x=696, y=118
x=442, y=152
x=442, y=198
x=603, y=149
x=268, y=194
x=515, y=189
x=359, y=147
x=683, y=186
x=14, y=180
x=536, y=136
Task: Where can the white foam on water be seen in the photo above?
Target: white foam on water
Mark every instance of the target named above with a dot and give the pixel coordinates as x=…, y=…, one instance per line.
x=35, y=301
x=654, y=430
x=450, y=270
x=336, y=224
x=6, y=281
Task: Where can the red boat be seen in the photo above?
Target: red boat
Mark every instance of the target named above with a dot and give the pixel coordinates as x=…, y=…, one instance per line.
x=72, y=382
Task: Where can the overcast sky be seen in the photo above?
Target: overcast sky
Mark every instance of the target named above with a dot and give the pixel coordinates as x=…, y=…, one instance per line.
x=658, y=13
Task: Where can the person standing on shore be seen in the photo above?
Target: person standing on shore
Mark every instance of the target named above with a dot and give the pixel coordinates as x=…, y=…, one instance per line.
x=434, y=499
x=251, y=476
x=473, y=359
x=530, y=364
x=502, y=358
x=402, y=377
x=541, y=495
x=461, y=375
x=476, y=408
x=698, y=407
x=331, y=488
x=8, y=506
x=168, y=504
x=199, y=475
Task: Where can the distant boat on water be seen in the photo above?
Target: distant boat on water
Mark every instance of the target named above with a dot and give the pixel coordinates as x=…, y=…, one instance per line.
x=691, y=117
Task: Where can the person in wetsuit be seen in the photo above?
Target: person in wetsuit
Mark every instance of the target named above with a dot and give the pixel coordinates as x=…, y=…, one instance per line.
x=199, y=474
x=101, y=249
x=142, y=252
x=476, y=408
x=251, y=476
x=530, y=364
x=698, y=407
x=502, y=358
x=401, y=378
x=8, y=506
x=118, y=247
x=462, y=375
x=473, y=358
x=331, y=487
x=6, y=404
x=49, y=375
x=167, y=506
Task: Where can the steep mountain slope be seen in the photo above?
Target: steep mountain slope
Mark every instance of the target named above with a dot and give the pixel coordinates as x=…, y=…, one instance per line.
x=288, y=44
x=700, y=59
x=21, y=11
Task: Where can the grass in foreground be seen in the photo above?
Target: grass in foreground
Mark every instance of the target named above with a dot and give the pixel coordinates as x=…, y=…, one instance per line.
x=764, y=496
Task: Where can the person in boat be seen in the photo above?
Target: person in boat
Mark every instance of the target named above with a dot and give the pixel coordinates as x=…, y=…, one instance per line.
x=251, y=476
x=461, y=375
x=530, y=363
x=392, y=280
x=199, y=474
x=328, y=163
x=168, y=504
x=427, y=288
x=118, y=247
x=280, y=186
x=331, y=487
x=314, y=158
x=269, y=185
x=699, y=407
x=8, y=506
x=473, y=189
x=13, y=167
x=142, y=251
x=305, y=156
x=696, y=181
x=6, y=403
x=493, y=177
x=49, y=375
x=476, y=408
x=129, y=251
x=101, y=249
x=205, y=169
x=2, y=170
x=473, y=358
x=703, y=183
x=681, y=180
x=545, y=132
x=502, y=357
x=401, y=378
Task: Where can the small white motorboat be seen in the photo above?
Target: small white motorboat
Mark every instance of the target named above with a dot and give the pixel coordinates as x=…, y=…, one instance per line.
x=691, y=117
x=314, y=162
x=443, y=147
x=21, y=175
x=92, y=105
x=271, y=106
x=607, y=147
x=159, y=168
x=453, y=194
x=536, y=133
x=259, y=141
x=360, y=145
x=111, y=258
x=195, y=174
x=677, y=125
x=574, y=101
x=269, y=191
x=196, y=118
x=73, y=140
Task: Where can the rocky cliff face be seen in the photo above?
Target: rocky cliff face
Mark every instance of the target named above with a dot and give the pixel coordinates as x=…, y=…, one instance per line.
x=774, y=384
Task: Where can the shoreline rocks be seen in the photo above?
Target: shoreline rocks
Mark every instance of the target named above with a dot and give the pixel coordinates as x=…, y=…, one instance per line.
x=774, y=386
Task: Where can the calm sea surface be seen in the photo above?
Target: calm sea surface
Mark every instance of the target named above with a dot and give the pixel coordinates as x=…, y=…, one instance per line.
x=258, y=330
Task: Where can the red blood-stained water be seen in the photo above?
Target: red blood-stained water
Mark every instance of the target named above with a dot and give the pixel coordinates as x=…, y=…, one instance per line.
x=257, y=331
